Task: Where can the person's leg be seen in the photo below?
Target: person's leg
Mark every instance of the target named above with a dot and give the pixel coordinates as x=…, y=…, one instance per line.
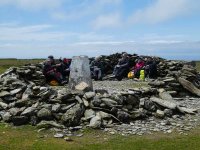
x=115, y=70
x=99, y=74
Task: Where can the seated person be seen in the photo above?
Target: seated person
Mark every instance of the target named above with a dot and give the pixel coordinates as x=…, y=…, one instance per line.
x=96, y=68
x=138, y=66
x=151, y=68
x=64, y=67
x=51, y=58
x=122, y=68
x=50, y=72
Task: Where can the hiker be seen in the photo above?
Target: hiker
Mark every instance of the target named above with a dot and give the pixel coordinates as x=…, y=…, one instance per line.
x=151, y=68
x=50, y=72
x=96, y=68
x=138, y=66
x=122, y=68
x=51, y=58
x=64, y=67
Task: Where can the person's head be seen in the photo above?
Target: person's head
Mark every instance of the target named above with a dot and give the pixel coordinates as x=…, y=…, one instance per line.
x=150, y=59
x=124, y=55
x=51, y=58
x=97, y=58
x=48, y=62
x=139, y=60
x=65, y=60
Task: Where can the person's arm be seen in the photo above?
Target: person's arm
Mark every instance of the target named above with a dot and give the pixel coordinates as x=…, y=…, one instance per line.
x=125, y=64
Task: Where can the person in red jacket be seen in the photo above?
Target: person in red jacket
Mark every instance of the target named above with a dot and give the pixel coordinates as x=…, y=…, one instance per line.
x=51, y=73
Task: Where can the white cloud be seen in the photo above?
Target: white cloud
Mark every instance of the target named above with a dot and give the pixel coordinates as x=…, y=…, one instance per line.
x=40, y=33
x=109, y=20
x=86, y=8
x=45, y=33
x=33, y=4
x=161, y=10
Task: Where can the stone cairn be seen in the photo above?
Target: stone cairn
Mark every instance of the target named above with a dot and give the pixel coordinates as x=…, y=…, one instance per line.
x=25, y=98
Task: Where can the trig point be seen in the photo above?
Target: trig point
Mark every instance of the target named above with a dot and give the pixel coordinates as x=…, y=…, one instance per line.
x=80, y=73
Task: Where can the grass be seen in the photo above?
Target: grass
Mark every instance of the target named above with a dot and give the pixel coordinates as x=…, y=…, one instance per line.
x=7, y=63
x=26, y=137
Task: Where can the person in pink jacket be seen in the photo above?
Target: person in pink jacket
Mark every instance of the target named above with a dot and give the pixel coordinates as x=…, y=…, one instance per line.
x=138, y=66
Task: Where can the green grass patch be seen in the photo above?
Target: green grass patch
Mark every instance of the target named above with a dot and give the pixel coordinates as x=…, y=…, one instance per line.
x=27, y=137
x=7, y=63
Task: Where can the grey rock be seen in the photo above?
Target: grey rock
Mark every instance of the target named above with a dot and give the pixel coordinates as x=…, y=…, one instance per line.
x=68, y=139
x=6, y=117
x=123, y=116
x=14, y=111
x=160, y=114
x=3, y=105
x=132, y=100
x=4, y=93
x=13, y=92
x=189, y=86
x=168, y=112
x=9, y=99
x=166, y=96
x=157, y=83
x=44, y=114
x=80, y=101
x=27, y=93
x=59, y=135
x=96, y=101
x=85, y=102
x=186, y=110
x=49, y=124
x=101, y=91
x=19, y=120
x=89, y=113
x=28, y=111
x=56, y=108
x=149, y=105
x=89, y=95
x=163, y=103
x=73, y=116
x=109, y=102
x=96, y=122
x=21, y=103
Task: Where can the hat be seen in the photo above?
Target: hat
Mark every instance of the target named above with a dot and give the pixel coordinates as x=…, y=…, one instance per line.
x=65, y=60
x=50, y=57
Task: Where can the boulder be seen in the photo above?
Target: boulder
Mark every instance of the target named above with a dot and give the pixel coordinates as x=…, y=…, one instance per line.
x=4, y=93
x=73, y=116
x=44, y=114
x=96, y=122
x=164, y=103
x=189, y=86
x=28, y=111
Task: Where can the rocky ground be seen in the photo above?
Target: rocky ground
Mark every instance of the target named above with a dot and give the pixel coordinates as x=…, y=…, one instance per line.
x=177, y=123
x=114, y=86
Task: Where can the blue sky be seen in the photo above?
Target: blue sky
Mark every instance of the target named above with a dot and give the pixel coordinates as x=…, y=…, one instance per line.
x=64, y=28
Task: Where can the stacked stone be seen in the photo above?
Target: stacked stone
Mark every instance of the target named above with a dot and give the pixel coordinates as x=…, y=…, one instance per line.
x=183, y=82
x=22, y=103
x=29, y=73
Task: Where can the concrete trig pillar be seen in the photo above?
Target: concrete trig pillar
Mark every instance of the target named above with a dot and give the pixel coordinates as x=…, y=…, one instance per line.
x=80, y=72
